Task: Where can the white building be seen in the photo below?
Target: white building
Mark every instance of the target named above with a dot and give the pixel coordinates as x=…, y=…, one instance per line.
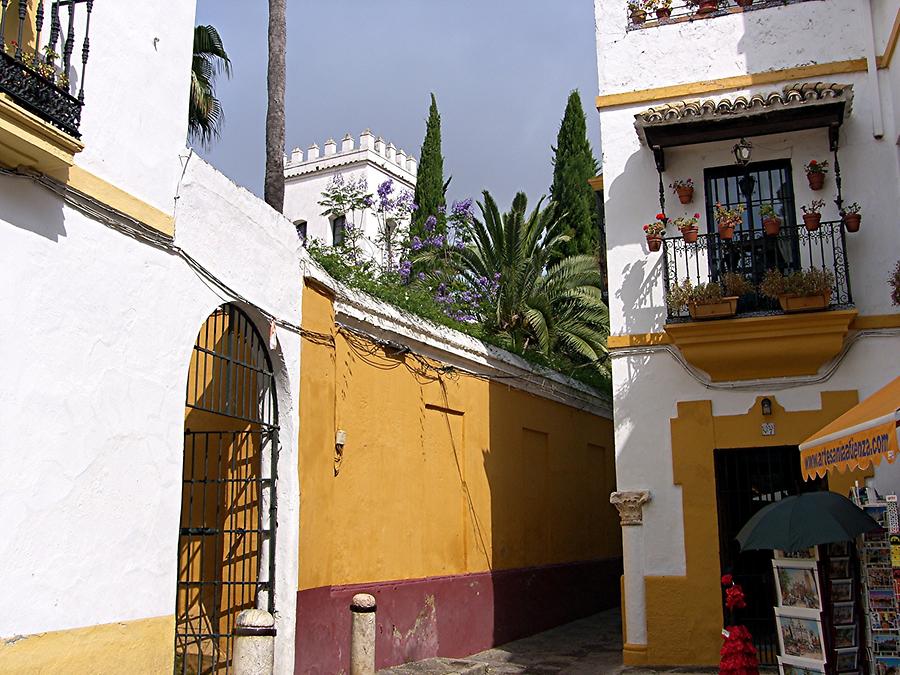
x=372, y=160
x=709, y=414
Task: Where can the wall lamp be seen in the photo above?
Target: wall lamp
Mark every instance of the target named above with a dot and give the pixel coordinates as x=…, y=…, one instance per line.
x=742, y=152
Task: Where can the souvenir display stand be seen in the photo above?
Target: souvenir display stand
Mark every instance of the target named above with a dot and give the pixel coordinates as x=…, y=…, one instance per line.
x=800, y=618
x=879, y=554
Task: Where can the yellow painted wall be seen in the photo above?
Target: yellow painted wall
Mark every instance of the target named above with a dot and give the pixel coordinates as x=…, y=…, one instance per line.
x=684, y=614
x=133, y=647
x=440, y=475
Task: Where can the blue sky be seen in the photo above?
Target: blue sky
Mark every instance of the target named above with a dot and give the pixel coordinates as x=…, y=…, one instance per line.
x=501, y=71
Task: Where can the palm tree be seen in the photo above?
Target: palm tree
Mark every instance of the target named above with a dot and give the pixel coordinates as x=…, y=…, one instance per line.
x=204, y=110
x=543, y=306
x=273, y=190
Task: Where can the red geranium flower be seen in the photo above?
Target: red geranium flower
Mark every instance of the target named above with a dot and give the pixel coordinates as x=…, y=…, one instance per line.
x=697, y=216
x=660, y=216
x=727, y=580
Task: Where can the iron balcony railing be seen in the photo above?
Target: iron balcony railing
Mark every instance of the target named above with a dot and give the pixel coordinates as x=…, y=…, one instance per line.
x=37, y=68
x=652, y=13
x=751, y=253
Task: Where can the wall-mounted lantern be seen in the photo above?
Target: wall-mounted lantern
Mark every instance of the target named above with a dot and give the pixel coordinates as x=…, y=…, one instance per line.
x=742, y=152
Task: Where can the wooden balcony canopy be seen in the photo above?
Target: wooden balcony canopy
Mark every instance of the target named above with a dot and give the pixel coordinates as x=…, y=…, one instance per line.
x=797, y=107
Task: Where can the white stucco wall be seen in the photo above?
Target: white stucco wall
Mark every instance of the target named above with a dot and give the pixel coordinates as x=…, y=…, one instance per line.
x=99, y=329
x=804, y=33
x=134, y=121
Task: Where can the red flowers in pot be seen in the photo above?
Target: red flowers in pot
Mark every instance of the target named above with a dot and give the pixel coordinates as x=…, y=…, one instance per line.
x=688, y=227
x=812, y=214
x=815, y=174
x=654, y=232
x=727, y=219
x=684, y=188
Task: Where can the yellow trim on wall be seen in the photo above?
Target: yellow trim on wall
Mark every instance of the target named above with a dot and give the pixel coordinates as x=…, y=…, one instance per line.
x=676, y=636
x=27, y=140
x=638, y=340
x=737, y=82
x=884, y=61
x=142, y=646
x=783, y=345
x=876, y=322
x=115, y=198
x=862, y=322
x=596, y=183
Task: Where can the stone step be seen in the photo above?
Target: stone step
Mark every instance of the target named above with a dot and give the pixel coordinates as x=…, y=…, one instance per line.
x=438, y=666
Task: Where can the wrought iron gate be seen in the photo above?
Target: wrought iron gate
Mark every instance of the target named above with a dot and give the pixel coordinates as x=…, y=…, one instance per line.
x=226, y=541
x=748, y=479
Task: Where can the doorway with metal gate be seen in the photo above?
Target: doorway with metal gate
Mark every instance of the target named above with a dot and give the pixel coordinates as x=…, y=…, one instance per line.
x=747, y=479
x=226, y=537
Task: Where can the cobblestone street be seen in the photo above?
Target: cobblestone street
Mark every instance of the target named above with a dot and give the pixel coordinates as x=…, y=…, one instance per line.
x=590, y=646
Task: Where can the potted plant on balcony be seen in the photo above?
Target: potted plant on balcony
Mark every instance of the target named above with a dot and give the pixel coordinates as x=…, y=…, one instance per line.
x=727, y=219
x=637, y=11
x=684, y=188
x=770, y=220
x=851, y=217
x=688, y=227
x=655, y=232
x=663, y=9
x=704, y=6
x=815, y=174
x=812, y=214
x=712, y=300
x=801, y=291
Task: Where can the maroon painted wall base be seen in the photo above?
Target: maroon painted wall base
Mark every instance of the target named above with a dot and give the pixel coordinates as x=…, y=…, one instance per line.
x=451, y=616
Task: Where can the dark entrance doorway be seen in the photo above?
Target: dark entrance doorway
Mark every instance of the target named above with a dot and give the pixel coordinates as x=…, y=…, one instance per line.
x=226, y=538
x=748, y=479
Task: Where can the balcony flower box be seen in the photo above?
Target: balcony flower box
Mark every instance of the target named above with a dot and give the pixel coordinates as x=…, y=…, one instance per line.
x=724, y=308
x=801, y=291
x=791, y=302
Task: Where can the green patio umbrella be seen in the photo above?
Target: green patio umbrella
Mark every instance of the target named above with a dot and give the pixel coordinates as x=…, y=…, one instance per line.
x=802, y=521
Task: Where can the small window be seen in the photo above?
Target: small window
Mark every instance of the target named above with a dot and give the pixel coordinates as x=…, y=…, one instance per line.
x=338, y=230
x=301, y=230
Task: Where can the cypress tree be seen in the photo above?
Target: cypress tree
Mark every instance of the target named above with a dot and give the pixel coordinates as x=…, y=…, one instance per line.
x=573, y=166
x=430, y=175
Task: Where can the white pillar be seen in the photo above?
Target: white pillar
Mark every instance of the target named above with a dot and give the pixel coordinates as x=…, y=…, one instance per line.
x=296, y=156
x=362, y=635
x=347, y=143
x=254, y=643
x=631, y=511
x=330, y=147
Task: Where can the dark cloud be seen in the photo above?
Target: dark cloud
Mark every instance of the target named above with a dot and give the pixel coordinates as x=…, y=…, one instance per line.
x=501, y=70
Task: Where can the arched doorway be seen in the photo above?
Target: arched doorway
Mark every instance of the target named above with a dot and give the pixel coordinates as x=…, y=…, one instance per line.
x=226, y=539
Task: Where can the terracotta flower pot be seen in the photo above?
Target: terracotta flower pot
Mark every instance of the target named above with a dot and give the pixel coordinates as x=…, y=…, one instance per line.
x=726, y=230
x=791, y=303
x=816, y=180
x=663, y=13
x=638, y=17
x=772, y=226
x=690, y=234
x=654, y=242
x=852, y=221
x=685, y=194
x=812, y=221
x=707, y=6
x=714, y=310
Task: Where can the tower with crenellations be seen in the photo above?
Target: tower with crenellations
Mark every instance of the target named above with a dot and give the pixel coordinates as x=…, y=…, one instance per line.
x=307, y=174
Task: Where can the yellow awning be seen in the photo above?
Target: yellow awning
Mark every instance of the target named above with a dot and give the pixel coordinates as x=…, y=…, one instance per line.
x=862, y=435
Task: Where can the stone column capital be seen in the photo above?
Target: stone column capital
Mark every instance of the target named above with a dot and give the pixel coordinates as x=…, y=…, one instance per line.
x=630, y=505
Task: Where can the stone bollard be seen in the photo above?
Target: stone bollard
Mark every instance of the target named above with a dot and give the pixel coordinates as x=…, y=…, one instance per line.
x=254, y=643
x=362, y=635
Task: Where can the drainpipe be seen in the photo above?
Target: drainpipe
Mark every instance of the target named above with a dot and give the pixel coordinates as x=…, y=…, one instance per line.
x=872, y=62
